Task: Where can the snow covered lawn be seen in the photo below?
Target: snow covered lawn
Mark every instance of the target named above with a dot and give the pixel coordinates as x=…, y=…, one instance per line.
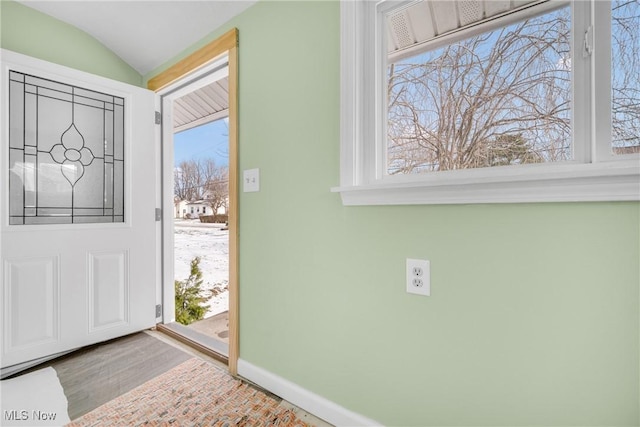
x=211, y=244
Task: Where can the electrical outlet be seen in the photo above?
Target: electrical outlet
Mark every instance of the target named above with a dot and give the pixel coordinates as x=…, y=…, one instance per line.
x=418, y=277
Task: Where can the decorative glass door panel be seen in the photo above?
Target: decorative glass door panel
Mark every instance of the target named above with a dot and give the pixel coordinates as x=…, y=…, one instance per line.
x=66, y=153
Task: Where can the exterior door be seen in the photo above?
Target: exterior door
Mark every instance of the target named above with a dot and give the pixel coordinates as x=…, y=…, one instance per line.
x=78, y=192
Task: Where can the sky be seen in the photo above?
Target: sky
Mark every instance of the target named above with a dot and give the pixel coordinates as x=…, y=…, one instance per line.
x=210, y=140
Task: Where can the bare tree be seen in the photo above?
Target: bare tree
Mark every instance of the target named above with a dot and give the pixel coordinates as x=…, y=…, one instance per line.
x=188, y=181
x=217, y=189
x=193, y=178
x=625, y=60
x=498, y=98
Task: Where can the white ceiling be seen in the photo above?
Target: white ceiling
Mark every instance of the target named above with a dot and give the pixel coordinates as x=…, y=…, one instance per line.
x=144, y=33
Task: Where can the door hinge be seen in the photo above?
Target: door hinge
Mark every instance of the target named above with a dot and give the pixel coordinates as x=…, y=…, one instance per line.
x=588, y=42
x=158, y=117
x=158, y=214
x=158, y=310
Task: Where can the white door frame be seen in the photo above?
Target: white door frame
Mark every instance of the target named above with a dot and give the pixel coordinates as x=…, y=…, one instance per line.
x=207, y=75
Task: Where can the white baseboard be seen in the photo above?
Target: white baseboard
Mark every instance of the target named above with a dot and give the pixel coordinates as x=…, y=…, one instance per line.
x=303, y=398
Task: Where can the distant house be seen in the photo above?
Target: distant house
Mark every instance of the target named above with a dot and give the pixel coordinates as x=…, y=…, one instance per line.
x=180, y=208
x=191, y=209
x=194, y=209
x=199, y=207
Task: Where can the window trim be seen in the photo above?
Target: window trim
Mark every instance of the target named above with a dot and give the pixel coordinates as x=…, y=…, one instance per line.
x=595, y=175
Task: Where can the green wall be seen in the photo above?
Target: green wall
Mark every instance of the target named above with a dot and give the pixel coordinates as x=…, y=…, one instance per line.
x=33, y=33
x=534, y=313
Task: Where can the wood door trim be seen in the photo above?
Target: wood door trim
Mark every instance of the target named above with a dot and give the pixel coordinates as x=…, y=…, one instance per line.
x=234, y=307
x=202, y=56
x=227, y=43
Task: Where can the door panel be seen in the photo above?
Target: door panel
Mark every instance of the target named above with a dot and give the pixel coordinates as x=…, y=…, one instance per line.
x=78, y=187
x=32, y=289
x=108, y=289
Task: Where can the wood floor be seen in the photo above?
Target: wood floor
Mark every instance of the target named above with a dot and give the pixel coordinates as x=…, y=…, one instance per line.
x=95, y=375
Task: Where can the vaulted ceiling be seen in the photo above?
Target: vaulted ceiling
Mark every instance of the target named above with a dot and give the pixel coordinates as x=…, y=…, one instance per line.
x=144, y=33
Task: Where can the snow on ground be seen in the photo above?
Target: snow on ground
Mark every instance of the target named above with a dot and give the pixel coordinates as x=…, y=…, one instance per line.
x=211, y=244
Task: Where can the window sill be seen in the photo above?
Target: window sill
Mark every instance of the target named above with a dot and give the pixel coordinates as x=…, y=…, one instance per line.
x=614, y=181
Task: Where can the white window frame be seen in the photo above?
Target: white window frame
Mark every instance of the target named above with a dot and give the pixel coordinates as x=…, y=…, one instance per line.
x=594, y=175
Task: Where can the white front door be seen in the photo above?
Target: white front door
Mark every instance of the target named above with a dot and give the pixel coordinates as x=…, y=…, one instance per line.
x=78, y=195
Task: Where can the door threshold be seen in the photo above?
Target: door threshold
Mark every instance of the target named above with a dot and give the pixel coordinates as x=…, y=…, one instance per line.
x=197, y=340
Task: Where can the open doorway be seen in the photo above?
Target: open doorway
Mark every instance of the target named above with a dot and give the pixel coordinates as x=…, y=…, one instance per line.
x=196, y=173
x=201, y=215
x=198, y=94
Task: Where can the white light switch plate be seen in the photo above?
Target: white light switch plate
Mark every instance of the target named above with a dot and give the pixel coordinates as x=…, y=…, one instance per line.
x=251, y=180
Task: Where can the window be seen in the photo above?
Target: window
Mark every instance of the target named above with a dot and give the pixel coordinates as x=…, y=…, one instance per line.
x=66, y=153
x=467, y=101
x=502, y=97
x=625, y=76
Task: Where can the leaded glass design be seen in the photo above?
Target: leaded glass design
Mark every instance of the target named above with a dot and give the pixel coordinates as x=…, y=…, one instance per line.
x=66, y=153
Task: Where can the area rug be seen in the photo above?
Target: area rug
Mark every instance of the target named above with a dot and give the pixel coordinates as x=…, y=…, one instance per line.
x=194, y=393
x=33, y=399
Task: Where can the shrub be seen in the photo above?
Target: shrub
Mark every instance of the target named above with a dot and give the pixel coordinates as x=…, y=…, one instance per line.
x=207, y=218
x=221, y=218
x=189, y=298
x=217, y=218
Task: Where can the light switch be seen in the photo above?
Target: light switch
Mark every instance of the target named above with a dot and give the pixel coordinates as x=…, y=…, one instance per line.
x=251, y=180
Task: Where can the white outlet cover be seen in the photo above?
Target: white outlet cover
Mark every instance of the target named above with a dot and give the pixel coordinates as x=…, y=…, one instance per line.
x=251, y=180
x=418, y=273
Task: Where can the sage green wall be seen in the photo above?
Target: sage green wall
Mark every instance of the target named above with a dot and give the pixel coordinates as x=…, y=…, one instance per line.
x=27, y=31
x=534, y=313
